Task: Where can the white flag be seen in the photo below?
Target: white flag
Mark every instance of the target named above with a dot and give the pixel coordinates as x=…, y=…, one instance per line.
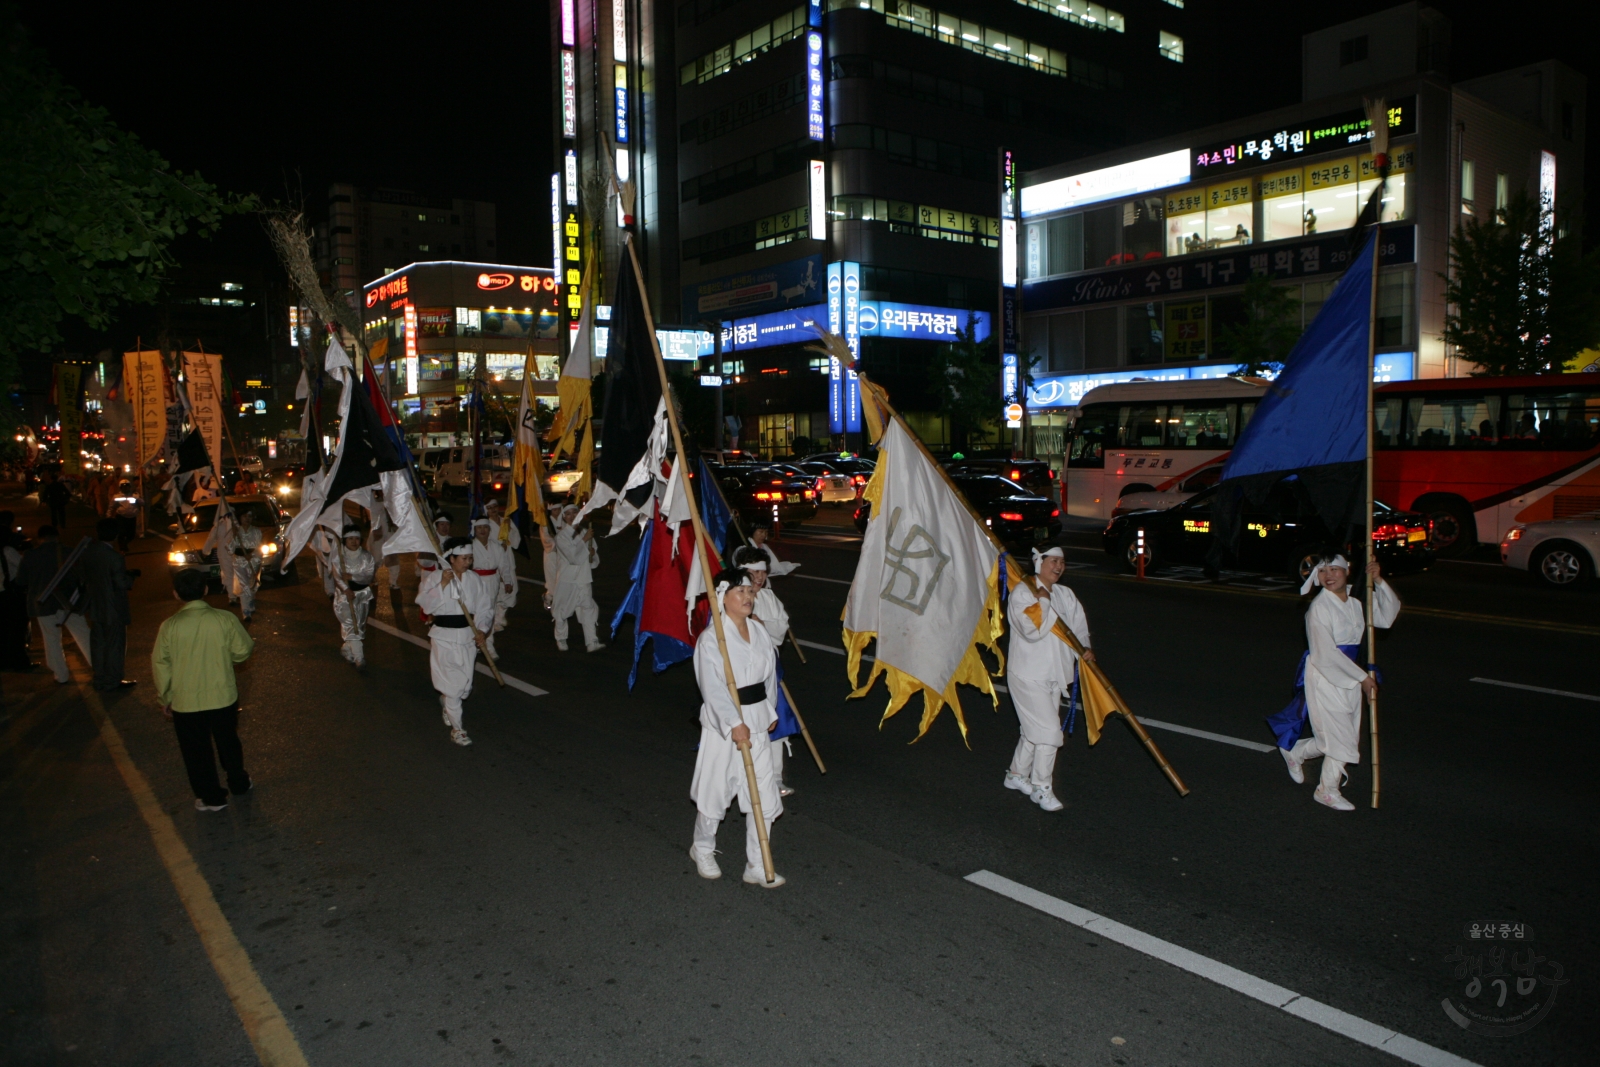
x=926, y=585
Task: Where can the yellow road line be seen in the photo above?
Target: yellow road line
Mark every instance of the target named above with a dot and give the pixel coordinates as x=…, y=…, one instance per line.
x=263, y=1023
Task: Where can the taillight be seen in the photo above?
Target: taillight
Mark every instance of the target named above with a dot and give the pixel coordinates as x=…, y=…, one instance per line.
x=1015, y=475
x=861, y=479
x=1055, y=513
x=820, y=485
x=1052, y=474
x=1388, y=531
x=810, y=494
x=1011, y=516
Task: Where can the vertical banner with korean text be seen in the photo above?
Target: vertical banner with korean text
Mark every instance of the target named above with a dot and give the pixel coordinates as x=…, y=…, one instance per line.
x=202, y=374
x=69, y=402
x=835, y=325
x=144, y=379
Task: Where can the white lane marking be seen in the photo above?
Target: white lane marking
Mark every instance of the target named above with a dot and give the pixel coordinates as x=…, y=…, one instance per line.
x=483, y=668
x=1254, y=746
x=530, y=581
x=1538, y=689
x=1287, y=1000
x=820, y=578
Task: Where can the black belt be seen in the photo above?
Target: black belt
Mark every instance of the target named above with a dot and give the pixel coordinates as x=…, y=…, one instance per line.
x=356, y=587
x=450, y=622
x=753, y=694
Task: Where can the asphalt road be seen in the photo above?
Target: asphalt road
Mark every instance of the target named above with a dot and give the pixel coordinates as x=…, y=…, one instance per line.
x=529, y=899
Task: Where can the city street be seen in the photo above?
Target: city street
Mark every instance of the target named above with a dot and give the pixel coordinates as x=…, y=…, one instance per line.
x=396, y=899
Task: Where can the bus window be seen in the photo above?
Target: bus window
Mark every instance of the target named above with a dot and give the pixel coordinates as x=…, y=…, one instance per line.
x=1140, y=425
x=1193, y=426
x=1553, y=420
x=1386, y=412
x=1089, y=434
x=1452, y=421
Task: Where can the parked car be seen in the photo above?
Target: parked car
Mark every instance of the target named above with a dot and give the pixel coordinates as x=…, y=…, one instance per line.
x=730, y=457
x=1016, y=516
x=763, y=492
x=1283, y=535
x=561, y=476
x=453, y=473
x=1034, y=475
x=189, y=534
x=833, y=486
x=1160, y=500
x=1561, y=553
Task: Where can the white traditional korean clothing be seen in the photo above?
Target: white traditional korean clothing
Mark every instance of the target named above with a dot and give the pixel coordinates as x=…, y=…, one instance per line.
x=775, y=566
x=354, y=571
x=453, y=652
x=1040, y=669
x=239, y=560
x=574, y=592
x=382, y=531
x=495, y=562
x=1333, y=679
x=552, y=565
x=775, y=620
x=719, y=774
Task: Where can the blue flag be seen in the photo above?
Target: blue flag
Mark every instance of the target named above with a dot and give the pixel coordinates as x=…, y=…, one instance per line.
x=714, y=511
x=657, y=607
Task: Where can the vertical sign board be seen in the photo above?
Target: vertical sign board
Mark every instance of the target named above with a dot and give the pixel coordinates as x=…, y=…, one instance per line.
x=835, y=325
x=819, y=201
x=815, y=86
x=556, y=243
x=852, y=337
x=412, y=373
x=1010, y=395
x=202, y=374
x=569, y=24
x=143, y=378
x=69, y=391
x=569, y=94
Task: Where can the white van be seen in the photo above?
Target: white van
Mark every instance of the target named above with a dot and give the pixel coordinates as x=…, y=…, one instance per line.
x=453, y=472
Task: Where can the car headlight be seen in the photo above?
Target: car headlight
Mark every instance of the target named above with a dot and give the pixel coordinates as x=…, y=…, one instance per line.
x=269, y=549
x=177, y=558
x=283, y=490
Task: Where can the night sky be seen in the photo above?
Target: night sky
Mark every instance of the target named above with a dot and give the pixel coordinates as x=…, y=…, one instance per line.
x=452, y=100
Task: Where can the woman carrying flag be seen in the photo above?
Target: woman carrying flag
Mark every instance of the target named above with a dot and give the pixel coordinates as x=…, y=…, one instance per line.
x=1331, y=682
x=1042, y=669
x=774, y=618
x=719, y=774
x=454, y=641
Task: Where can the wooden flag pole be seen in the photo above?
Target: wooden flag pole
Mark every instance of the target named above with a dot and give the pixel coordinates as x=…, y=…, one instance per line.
x=805, y=733
x=703, y=546
x=870, y=389
x=796, y=645
x=1371, y=552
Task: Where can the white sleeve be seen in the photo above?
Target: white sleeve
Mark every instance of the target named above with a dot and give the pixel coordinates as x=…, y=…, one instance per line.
x=431, y=598
x=773, y=616
x=1332, y=664
x=1074, y=616
x=1384, y=603
x=1022, y=625
x=713, y=688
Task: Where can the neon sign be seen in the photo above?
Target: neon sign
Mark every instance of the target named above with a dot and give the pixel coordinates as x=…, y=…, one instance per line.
x=397, y=287
x=492, y=282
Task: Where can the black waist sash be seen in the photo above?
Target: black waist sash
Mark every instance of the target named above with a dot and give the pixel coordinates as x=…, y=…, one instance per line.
x=450, y=622
x=753, y=694
x=356, y=587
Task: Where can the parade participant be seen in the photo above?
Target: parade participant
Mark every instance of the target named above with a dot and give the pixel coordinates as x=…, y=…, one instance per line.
x=774, y=618
x=246, y=485
x=493, y=561
x=427, y=561
x=1331, y=683
x=382, y=530
x=236, y=539
x=453, y=642
x=354, y=570
x=124, y=507
x=106, y=581
x=63, y=608
x=574, y=594
x=719, y=774
x=552, y=562
x=56, y=495
x=760, y=531
x=505, y=530
x=1042, y=668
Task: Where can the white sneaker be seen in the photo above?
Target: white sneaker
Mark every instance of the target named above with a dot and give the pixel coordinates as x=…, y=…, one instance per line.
x=562, y=645
x=705, y=863
x=1334, y=800
x=596, y=647
x=200, y=805
x=446, y=717
x=785, y=790
x=1019, y=783
x=460, y=737
x=756, y=876
x=1295, y=773
x=1045, y=797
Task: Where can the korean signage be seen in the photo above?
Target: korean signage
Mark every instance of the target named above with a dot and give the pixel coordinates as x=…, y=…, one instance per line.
x=1329, y=133
x=835, y=370
x=1173, y=278
x=572, y=258
x=622, y=104
x=569, y=94
x=777, y=328
x=852, y=337
x=1008, y=389
x=1109, y=183
x=884, y=318
x=1067, y=390
x=144, y=378
x=797, y=282
x=814, y=86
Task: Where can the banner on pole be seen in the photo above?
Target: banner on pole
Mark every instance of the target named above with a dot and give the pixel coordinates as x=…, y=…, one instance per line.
x=202, y=374
x=143, y=379
x=69, y=402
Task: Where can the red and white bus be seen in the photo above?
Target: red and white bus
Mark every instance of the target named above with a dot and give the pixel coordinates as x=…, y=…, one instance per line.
x=1475, y=454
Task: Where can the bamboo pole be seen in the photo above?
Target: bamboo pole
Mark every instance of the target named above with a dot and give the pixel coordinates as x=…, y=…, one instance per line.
x=703, y=546
x=796, y=645
x=1371, y=552
x=805, y=733
x=870, y=389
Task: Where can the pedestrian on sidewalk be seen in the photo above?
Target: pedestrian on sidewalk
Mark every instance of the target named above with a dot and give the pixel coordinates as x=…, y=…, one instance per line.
x=14, y=613
x=106, y=580
x=64, y=606
x=55, y=495
x=192, y=664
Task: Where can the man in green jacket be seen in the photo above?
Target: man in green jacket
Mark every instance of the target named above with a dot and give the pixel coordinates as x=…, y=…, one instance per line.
x=192, y=664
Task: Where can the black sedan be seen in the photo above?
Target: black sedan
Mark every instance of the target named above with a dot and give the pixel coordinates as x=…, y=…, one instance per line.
x=1033, y=475
x=1282, y=535
x=780, y=497
x=1016, y=516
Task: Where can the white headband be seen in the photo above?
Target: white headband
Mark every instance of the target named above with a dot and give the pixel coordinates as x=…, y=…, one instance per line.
x=754, y=565
x=1038, y=557
x=480, y=521
x=459, y=550
x=1311, y=581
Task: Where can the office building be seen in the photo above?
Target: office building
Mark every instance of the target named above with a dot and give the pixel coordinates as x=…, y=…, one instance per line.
x=372, y=232
x=1133, y=261
x=835, y=163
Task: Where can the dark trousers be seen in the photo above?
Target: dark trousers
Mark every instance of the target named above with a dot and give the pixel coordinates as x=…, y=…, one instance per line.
x=108, y=645
x=197, y=731
x=58, y=516
x=14, y=635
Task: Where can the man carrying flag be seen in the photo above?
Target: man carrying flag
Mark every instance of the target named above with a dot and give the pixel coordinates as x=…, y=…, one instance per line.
x=1042, y=670
x=575, y=582
x=453, y=642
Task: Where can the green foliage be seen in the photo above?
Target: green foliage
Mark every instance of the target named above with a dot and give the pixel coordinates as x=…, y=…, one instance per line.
x=1270, y=328
x=965, y=377
x=87, y=212
x=1521, y=299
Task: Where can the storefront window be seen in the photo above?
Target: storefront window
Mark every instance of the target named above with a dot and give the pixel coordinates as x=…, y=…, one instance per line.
x=1142, y=229
x=1101, y=228
x=1230, y=215
x=1332, y=196
x=1065, y=352
x=1186, y=221
x=1065, y=245
x=1282, y=204
x=1144, y=333
x=1187, y=334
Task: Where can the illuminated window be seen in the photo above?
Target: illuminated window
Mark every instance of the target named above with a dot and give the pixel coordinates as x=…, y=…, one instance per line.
x=1084, y=13
x=1176, y=3
x=1502, y=192
x=1468, y=179
x=422, y=218
x=1171, y=47
x=231, y=287
x=757, y=42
